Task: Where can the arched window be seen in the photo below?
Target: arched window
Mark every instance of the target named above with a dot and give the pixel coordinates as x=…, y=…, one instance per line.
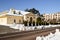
x=14, y=21
x=31, y=19
x=19, y=21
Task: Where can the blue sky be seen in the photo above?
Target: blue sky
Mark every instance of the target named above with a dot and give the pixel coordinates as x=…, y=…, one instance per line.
x=44, y=6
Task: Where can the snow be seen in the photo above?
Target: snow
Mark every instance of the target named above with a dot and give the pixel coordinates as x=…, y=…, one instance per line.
x=22, y=12
x=15, y=26
x=55, y=36
x=10, y=12
x=26, y=28
x=21, y=27
x=39, y=27
x=46, y=26
x=14, y=14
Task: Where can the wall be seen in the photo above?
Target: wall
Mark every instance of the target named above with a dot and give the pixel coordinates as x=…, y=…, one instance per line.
x=3, y=20
x=28, y=16
x=16, y=18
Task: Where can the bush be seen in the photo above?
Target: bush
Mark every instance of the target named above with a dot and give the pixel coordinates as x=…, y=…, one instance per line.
x=29, y=23
x=36, y=23
x=25, y=23
x=33, y=23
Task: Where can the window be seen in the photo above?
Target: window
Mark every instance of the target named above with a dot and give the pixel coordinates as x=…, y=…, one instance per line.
x=14, y=12
x=19, y=13
x=19, y=21
x=14, y=21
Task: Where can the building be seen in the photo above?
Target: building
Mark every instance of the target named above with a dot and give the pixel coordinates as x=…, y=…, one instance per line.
x=48, y=17
x=16, y=16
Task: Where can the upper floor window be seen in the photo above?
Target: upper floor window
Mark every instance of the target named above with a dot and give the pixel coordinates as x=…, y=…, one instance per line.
x=14, y=12
x=19, y=13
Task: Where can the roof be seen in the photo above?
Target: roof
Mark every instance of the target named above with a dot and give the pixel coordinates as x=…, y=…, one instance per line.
x=17, y=14
x=22, y=12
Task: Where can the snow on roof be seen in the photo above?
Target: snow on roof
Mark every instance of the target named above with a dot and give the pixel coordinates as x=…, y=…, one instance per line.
x=10, y=12
x=14, y=14
x=22, y=12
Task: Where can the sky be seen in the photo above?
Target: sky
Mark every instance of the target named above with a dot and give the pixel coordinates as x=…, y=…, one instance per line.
x=44, y=6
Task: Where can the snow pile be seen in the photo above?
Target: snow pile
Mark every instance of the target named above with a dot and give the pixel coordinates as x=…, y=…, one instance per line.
x=39, y=27
x=29, y=28
x=54, y=25
x=16, y=26
x=47, y=26
x=26, y=28
x=55, y=36
x=21, y=27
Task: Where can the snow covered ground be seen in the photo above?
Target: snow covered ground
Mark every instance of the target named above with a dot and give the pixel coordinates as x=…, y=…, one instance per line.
x=21, y=27
x=55, y=36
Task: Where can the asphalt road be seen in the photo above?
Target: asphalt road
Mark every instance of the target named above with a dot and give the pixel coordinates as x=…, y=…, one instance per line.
x=28, y=35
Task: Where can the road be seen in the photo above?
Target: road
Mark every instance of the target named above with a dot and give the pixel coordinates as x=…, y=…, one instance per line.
x=28, y=35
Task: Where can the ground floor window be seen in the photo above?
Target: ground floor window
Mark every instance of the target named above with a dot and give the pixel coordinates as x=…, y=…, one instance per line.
x=14, y=21
x=19, y=21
